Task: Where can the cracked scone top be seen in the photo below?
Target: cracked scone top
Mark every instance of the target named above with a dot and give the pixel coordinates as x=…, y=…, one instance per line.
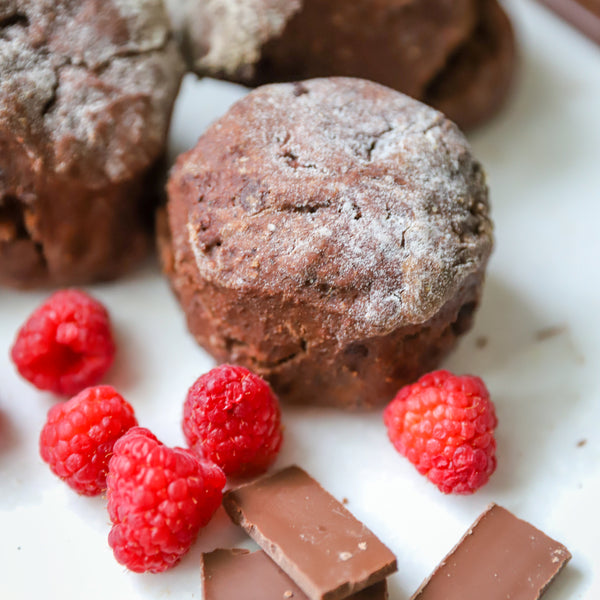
x=331, y=235
x=86, y=93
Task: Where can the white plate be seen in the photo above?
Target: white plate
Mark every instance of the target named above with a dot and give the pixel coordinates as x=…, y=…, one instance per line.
x=543, y=159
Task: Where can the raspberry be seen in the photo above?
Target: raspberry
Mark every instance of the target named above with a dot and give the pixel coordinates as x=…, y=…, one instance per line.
x=444, y=424
x=79, y=435
x=232, y=417
x=158, y=499
x=66, y=344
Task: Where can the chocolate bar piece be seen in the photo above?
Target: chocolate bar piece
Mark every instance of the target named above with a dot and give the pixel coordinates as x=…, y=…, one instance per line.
x=242, y=575
x=583, y=14
x=499, y=557
x=310, y=535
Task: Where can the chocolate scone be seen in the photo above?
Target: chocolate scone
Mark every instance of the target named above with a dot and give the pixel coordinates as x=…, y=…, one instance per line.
x=331, y=235
x=86, y=93
x=457, y=55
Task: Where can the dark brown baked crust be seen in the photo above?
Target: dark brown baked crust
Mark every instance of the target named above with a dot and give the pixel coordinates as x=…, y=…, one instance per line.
x=331, y=235
x=86, y=92
x=457, y=55
x=475, y=83
x=399, y=43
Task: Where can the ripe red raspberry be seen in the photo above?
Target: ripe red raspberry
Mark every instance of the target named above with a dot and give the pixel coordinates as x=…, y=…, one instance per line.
x=78, y=437
x=232, y=417
x=66, y=345
x=444, y=424
x=158, y=499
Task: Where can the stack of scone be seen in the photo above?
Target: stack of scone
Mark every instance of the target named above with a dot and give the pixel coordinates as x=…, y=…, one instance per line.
x=331, y=233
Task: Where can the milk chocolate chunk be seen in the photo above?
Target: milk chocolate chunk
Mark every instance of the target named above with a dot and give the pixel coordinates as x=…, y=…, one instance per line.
x=499, y=557
x=583, y=14
x=244, y=575
x=310, y=535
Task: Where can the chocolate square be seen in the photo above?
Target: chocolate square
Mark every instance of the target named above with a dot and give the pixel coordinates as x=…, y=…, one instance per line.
x=499, y=557
x=310, y=535
x=238, y=574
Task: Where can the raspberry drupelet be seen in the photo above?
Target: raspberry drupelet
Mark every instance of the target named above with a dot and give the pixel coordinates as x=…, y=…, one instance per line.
x=66, y=345
x=79, y=435
x=158, y=499
x=444, y=424
x=232, y=417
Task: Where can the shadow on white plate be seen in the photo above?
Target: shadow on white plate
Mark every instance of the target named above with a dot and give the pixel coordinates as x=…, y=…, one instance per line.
x=566, y=585
x=9, y=437
x=532, y=368
x=526, y=137
x=184, y=580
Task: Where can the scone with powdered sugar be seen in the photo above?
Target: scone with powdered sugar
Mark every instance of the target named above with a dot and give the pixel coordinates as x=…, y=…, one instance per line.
x=86, y=93
x=456, y=55
x=331, y=235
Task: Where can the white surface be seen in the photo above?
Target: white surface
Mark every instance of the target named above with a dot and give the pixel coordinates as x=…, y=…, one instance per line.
x=543, y=157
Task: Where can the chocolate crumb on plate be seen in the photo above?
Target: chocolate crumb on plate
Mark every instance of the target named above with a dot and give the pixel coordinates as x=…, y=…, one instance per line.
x=549, y=332
x=481, y=342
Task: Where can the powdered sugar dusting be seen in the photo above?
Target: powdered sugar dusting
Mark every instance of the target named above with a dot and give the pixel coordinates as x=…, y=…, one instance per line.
x=25, y=75
x=88, y=85
x=347, y=188
x=226, y=35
